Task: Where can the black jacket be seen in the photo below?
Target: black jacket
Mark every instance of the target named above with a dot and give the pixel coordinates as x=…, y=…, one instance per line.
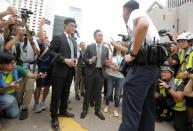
x=59, y=50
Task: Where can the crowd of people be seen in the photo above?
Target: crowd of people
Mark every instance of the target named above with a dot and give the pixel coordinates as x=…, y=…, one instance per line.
x=30, y=64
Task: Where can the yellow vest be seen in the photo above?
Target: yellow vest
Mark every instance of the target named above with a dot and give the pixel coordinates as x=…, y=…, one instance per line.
x=180, y=106
x=189, y=63
x=185, y=63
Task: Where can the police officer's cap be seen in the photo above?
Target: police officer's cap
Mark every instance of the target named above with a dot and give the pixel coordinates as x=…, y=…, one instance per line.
x=185, y=36
x=6, y=58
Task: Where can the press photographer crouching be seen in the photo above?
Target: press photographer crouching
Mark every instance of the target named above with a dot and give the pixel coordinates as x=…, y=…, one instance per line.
x=10, y=76
x=170, y=97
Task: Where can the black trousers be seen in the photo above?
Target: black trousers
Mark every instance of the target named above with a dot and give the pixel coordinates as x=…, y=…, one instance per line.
x=180, y=120
x=60, y=93
x=138, y=111
x=94, y=84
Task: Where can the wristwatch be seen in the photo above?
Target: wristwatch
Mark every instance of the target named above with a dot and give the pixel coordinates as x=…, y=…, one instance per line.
x=132, y=54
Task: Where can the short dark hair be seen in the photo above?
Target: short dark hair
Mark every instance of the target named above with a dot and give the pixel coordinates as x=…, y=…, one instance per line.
x=6, y=58
x=131, y=5
x=115, y=52
x=69, y=20
x=96, y=31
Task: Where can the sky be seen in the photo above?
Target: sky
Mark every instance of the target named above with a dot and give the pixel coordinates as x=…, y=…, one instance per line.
x=101, y=14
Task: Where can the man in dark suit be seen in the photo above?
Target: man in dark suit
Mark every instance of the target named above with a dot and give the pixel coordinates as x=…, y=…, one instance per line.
x=95, y=57
x=63, y=49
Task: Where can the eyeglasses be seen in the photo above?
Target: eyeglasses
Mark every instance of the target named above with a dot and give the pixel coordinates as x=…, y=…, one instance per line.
x=180, y=41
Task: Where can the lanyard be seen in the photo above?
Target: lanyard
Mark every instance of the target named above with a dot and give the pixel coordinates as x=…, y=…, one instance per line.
x=118, y=60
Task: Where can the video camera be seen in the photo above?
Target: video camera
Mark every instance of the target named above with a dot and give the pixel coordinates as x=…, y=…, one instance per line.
x=25, y=14
x=125, y=38
x=166, y=45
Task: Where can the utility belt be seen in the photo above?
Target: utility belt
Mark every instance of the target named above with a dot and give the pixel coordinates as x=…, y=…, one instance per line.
x=153, y=54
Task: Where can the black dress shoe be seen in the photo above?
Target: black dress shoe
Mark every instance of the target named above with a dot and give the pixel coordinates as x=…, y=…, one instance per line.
x=77, y=97
x=23, y=114
x=67, y=114
x=100, y=115
x=83, y=114
x=55, y=123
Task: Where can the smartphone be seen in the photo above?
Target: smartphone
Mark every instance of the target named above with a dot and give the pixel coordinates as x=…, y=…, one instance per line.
x=17, y=81
x=48, y=22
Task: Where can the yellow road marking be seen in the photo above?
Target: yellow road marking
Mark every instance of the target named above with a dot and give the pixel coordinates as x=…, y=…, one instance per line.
x=69, y=124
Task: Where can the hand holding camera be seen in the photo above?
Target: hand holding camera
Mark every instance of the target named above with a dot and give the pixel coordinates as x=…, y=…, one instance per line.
x=164, y=84
x=11, y=10
x=30, y=37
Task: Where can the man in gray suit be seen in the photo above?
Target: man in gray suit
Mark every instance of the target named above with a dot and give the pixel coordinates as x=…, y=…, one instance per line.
x=96, y=58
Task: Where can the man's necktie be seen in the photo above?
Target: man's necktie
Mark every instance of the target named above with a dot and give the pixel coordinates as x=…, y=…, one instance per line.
x=99, y=63
x=71, y=47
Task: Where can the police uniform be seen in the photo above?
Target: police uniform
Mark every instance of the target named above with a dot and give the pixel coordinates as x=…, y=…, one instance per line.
x=138, y=101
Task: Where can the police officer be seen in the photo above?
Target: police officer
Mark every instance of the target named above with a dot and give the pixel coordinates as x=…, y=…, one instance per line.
x=138, y=102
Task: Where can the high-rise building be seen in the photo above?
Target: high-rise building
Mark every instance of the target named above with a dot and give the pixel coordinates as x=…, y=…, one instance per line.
x=177, y=3
x=174, y=18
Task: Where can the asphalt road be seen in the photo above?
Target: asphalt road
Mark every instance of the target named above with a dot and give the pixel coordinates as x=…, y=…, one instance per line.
x=41, y=121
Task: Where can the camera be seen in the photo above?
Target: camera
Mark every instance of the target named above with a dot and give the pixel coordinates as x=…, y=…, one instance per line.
x=190, y=70
x=25, y=14
x=125, y=38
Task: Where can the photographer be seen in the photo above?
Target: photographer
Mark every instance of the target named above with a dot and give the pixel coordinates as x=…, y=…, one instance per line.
x=10, y=11
x=5, y=23
x=44, y=66
x=185, y=41
x=185, y=53
x=171, y=95
x=173, y=59
x=25, y=57
x=10, y=76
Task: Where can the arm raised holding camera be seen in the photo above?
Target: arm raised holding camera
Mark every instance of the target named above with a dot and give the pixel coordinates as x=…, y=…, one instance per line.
x=188, y=91
x=15, y=40
x=178, y=96
x=11, y=10
x=42, y=34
